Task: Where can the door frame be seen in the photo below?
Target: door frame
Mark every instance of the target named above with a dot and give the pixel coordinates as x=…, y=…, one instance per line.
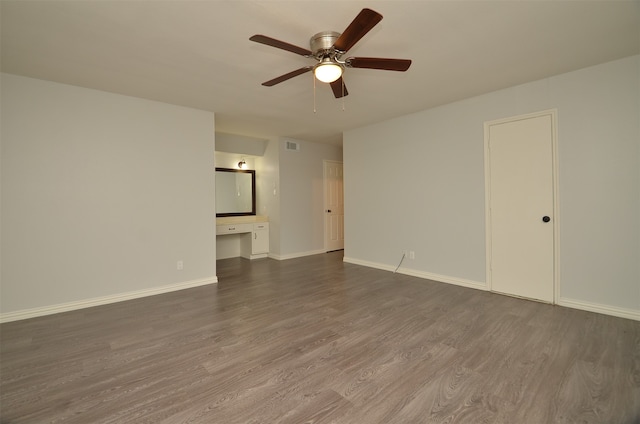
x=553, y=113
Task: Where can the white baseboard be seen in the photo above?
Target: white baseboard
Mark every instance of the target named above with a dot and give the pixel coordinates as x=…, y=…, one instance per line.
x=569, y=303
x=420, y=274
x=103, y=300
x=296, y=255
x=601, y=309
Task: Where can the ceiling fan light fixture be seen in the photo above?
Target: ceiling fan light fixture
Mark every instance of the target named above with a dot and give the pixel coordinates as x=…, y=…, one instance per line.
x=327, y=71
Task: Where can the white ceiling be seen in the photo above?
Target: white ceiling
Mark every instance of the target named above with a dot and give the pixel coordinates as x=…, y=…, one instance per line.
x=198, y=53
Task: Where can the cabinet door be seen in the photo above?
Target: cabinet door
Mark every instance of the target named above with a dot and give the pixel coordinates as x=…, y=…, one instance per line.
x=260, y=242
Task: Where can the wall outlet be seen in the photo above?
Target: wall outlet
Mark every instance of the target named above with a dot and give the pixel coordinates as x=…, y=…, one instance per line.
x=412, y=254
x=180, y=265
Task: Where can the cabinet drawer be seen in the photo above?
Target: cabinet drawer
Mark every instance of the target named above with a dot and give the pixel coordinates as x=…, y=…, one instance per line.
x=234, y=228
x=261, y=226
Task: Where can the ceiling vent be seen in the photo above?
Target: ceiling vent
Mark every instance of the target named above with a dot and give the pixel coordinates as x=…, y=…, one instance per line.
x=292, y=145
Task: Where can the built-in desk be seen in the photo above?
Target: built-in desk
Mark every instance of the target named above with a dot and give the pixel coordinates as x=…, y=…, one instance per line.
x=253, y=232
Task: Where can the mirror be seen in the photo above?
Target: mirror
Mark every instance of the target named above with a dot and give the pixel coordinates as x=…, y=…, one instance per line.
x=235, y=192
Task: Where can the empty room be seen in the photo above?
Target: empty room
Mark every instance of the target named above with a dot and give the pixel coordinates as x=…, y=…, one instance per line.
x=258, y=211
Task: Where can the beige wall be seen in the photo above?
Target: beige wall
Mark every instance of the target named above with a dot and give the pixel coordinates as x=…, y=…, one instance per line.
x=102, y=194
x=417, y=183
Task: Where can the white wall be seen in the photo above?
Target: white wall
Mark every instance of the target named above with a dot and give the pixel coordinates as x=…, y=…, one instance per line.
x=101, y=195
x=417, y=183
x=301, y=191
x=230, y=160
x=268, y=192
x=240, y=144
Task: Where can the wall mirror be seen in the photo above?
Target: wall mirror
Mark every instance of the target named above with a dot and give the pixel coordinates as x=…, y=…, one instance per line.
x=235, y=192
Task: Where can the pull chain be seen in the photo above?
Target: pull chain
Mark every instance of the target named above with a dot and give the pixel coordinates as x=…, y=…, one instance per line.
x=342, y=79
x=314, y=93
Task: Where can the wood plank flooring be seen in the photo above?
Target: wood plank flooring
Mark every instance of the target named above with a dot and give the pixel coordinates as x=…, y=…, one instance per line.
x=315, y=340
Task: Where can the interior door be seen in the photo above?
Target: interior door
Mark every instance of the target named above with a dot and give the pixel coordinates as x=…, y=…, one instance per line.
x=333, y=206
x=520, y=191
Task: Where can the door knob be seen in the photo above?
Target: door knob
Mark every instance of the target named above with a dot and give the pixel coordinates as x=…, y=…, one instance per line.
x=329, y=210
x=546, y=219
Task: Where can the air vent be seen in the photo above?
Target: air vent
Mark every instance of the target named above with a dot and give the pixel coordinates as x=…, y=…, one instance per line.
x=292, y=145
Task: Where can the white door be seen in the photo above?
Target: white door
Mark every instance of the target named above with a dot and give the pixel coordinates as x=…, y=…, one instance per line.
x=333, y=206
x=521, y=209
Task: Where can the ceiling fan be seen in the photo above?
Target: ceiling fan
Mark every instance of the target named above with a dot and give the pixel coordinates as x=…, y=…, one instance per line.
x=328, y=47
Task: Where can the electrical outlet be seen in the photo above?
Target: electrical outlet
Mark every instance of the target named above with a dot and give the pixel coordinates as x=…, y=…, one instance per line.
x=412, y=254
x=180, y=265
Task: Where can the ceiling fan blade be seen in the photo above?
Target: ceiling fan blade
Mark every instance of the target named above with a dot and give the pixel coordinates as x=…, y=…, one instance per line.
x=339, y=89
x=357, y=29
x=379, y=63
x=285, y=77
x=263, y=39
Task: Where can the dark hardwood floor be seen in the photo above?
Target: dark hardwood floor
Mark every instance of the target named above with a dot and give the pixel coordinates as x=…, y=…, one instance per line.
x=314, y=340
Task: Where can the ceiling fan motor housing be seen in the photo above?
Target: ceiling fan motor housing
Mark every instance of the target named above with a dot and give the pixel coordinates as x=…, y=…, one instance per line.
x=322, y=43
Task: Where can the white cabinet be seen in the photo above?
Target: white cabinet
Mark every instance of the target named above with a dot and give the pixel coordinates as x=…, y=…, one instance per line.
x=260, y=242
x=256, y=244
x=253, y=237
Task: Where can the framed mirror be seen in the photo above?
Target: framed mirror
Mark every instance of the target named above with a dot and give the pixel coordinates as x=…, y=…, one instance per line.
x=235, y=192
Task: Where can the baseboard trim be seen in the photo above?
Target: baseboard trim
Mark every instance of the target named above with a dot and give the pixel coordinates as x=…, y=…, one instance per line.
x=600, y=309
x=569, y=303
x=296, y=255
x=420, y=274
x=103, y=300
